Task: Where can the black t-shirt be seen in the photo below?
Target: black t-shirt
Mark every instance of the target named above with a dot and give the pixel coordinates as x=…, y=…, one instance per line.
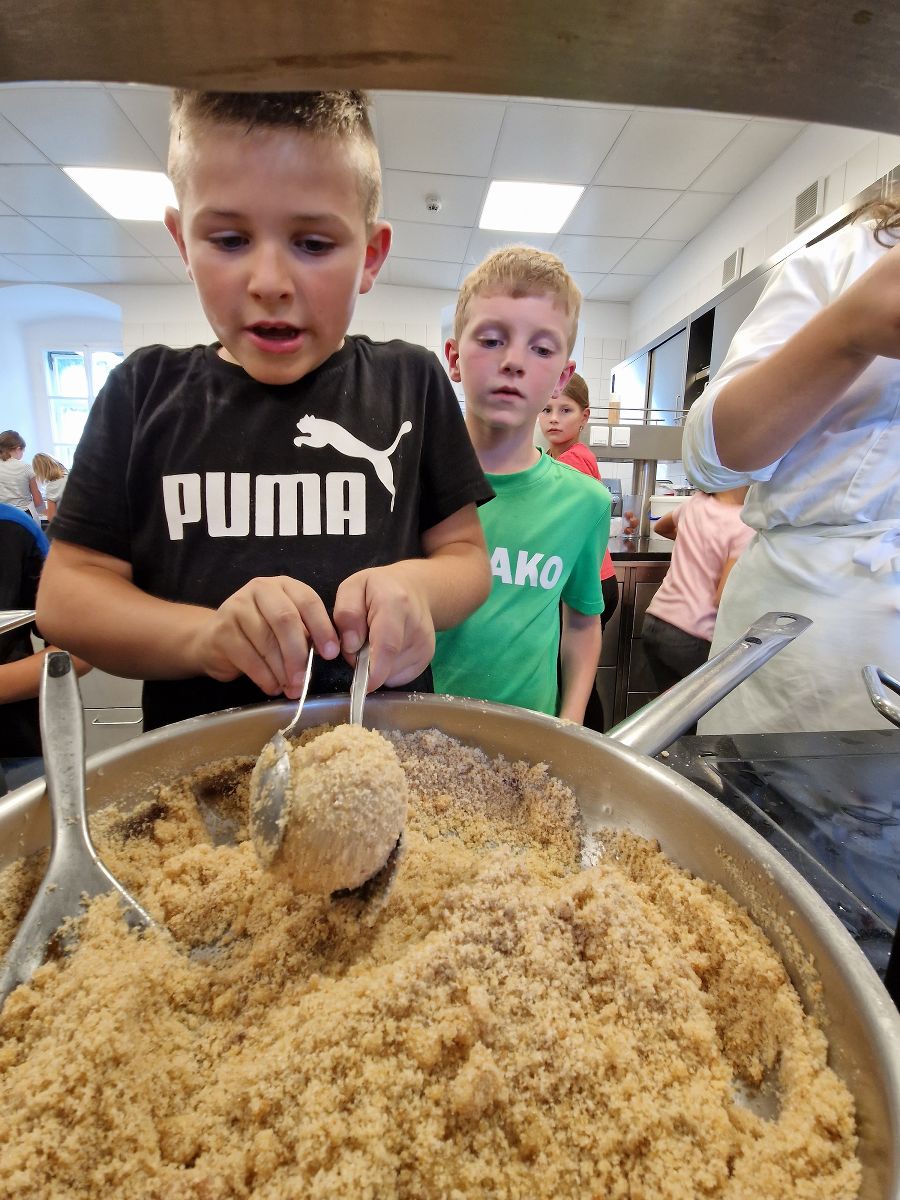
x=22, y=550
x=202, y=478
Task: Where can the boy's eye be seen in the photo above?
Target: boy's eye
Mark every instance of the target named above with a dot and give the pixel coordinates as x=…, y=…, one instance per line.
x=228, y=241
x=543, y=351
x=314, y=245
x=488, y=342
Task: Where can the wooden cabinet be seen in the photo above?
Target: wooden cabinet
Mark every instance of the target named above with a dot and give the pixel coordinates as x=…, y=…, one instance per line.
x=624, y=681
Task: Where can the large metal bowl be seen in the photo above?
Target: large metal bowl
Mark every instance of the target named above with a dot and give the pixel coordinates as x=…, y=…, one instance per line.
x=616, y=787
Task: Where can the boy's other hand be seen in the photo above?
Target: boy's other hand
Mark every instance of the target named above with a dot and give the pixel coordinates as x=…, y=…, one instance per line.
x=384, y=604
x=263, y=631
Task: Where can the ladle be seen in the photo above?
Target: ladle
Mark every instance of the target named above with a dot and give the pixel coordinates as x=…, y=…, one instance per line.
x=270, y=782
x=75, y=872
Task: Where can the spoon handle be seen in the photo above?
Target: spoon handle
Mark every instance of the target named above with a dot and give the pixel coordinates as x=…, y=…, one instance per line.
x=359, y=685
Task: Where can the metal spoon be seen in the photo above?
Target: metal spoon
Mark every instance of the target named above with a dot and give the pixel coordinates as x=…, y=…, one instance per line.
x=270, y=782
x=75, y=872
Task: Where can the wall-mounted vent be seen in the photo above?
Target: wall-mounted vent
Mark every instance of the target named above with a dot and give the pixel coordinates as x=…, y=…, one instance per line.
x=809, y=204
x=731, y=268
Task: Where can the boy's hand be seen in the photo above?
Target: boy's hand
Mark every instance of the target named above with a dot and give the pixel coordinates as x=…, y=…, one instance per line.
x=263, y=631
x=384, y=604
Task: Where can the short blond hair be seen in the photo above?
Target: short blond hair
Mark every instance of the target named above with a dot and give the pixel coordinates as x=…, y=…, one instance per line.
x=339, y=115
x=520, y=271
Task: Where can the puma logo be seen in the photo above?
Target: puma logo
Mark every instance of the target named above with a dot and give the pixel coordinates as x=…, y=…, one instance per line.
x=316, y=432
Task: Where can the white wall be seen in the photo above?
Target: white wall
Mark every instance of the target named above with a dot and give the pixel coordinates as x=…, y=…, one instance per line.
x=760, y=219
x=140, y=315
x=35, y=317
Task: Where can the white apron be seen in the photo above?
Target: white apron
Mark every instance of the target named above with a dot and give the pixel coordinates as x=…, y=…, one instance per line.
x=846, y=579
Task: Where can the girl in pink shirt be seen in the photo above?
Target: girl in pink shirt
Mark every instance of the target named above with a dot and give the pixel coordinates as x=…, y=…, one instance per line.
x=709, y=538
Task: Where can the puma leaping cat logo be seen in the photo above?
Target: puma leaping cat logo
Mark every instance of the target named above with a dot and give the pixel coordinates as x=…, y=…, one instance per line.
x=316, y=432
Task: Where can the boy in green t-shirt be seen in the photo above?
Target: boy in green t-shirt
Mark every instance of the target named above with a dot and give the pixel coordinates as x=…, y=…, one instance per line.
x=547, y=528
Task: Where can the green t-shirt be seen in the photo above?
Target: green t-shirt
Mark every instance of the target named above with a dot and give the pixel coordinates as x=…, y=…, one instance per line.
x=546, y=533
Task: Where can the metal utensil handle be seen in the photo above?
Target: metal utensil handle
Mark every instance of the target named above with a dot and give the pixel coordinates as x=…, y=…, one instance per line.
x=289, y=728
x=359, y=685
x=873, y=678
x=661, y=721
x=62, y=729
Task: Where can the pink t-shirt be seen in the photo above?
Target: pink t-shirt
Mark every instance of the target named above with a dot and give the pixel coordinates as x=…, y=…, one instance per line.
x=579, y=457
x=709, y=533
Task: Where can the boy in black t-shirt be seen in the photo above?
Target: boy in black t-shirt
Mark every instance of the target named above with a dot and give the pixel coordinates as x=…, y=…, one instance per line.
x=291, y=484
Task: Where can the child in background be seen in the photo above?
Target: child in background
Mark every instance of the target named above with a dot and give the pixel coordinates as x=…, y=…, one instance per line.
x=51, y=476
x=18, y=486
x=546, y=530
x=562, y=421
x=23, y=548
x=709, y=538
x=231, y=506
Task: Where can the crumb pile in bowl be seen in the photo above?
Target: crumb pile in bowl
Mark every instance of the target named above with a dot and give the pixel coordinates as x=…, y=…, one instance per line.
x=502, y=1024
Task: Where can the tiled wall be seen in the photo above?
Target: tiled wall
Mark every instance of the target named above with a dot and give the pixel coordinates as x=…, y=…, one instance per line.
x=760, y=219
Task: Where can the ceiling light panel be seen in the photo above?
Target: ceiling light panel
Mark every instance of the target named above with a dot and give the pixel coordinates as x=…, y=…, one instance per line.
x=528, y=207
x=126, y=195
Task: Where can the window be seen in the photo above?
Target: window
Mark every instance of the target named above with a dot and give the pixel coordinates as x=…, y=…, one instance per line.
x=73, y=379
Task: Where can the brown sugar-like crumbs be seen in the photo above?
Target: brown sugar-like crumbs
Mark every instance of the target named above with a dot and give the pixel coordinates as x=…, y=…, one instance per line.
x=508, y=1026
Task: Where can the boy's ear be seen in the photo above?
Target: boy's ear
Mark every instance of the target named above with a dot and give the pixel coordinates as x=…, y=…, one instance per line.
x=378, y=244
x=173, y=224
x=451, y=352
x=565, y=376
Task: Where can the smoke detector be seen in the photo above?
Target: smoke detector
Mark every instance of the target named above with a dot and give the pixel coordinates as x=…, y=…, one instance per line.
x=433, y=204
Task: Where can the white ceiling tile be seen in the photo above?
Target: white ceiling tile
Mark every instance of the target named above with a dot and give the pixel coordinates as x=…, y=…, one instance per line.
x=18, y=236
x=6, y=210
x=453, y=136
x=16, y=149
x=45, y=192
x=83, y=235
x=178, y=270
x=77, y=128
x=648, y=257
x=484, y=241
x=153, y=236
x=415, y=272
x=690, y=213
x=405, y=192
x=442, y=243
x=757, y=145
x=667, y=149
x=549, y=143
x=129, y=270
x=595, y=255
x=12, y=271
x=586, y=282
x=619, y=212
x=58, y=268
x=147, y=108
x=619, y=288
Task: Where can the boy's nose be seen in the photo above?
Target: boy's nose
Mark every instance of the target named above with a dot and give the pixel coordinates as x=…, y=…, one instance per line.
x=513, y=362
x=270, y=276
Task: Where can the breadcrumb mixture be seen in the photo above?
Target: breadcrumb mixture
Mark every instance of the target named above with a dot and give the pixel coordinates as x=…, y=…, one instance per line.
x=503, y=1025
x=345, y=809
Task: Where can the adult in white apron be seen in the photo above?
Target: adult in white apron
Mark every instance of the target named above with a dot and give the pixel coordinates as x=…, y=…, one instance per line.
x=806, y=408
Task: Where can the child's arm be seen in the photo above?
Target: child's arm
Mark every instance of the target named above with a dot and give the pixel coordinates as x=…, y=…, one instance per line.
x=723, y=579
x=804, y=378
x=579, y=653
x=88, y=603
x=21, y=680
x=399, y=606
